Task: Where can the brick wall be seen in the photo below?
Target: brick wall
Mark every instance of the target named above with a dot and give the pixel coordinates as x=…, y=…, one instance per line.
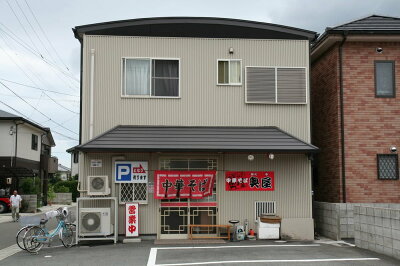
x=326, y=126
x=372, y=125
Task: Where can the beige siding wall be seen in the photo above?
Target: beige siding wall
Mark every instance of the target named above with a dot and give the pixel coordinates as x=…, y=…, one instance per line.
x=202, y=102
x=292, y=189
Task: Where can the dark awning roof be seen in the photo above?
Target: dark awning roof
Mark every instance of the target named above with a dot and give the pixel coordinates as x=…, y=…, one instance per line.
x=202, y=27
x=15, y=172
x=178, y=138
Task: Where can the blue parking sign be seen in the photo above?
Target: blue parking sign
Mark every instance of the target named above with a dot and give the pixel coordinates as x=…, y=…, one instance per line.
x=123, y=172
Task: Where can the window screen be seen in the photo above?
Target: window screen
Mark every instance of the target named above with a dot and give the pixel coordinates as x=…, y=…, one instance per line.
x=165, y=78
x=388, y=166
x=384, y=79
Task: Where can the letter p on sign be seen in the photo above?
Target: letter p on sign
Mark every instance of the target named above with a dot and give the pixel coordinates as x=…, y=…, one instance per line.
x=123, y=172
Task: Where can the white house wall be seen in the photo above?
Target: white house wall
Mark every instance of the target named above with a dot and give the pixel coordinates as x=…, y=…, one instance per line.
x=7, y=141
x=24, y=144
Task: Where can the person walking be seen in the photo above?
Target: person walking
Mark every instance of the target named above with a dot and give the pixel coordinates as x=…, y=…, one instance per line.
x=15, y=205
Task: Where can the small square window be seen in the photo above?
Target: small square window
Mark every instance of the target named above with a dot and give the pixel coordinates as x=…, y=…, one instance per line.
x=384, y=79
x=229, y=72
x=34, y=144
x=388, y=166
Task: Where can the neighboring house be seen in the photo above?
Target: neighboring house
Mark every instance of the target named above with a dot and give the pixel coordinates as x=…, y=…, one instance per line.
x=64, y=172
x=355, y=111
x=25, y=151
x=179, y=94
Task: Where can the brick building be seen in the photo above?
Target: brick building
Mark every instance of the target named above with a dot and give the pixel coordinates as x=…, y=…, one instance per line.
x=356, y=112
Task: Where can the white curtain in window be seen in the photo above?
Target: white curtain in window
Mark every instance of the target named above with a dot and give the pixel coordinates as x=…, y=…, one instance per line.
x=235, y=72
x=137, y=77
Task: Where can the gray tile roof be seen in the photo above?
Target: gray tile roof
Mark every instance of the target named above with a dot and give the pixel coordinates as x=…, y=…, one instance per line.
x=371, y=23
x=178, y=138
x=4, y=114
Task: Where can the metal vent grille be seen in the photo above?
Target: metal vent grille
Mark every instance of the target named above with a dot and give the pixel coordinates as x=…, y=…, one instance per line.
x=265, y=207
x=133, y=192
x=292, y=85
x=388, y=166
x=260, y=84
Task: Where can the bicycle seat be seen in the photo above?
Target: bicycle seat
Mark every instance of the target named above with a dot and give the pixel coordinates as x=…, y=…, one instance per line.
x=43, y=221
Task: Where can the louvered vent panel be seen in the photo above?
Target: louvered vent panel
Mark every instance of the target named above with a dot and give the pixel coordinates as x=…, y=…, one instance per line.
x=291, y=85
x=265, y=207
x=260, y=84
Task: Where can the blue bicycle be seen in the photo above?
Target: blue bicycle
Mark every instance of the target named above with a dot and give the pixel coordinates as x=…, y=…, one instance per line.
x=37, y=236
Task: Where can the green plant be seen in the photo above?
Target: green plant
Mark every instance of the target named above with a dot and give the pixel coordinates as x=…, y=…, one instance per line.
x=72, y=186
x=61, y=189
x=51, y=195
x=30, y=186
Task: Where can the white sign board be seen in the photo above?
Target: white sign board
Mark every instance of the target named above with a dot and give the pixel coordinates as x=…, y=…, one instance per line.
x=131, y=219
x=131, y=172
x=96, y=163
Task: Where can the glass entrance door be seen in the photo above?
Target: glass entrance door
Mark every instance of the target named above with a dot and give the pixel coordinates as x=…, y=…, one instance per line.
x=177, y=214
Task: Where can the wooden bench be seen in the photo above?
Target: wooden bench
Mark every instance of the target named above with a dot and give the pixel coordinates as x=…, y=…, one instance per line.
x=191, y=226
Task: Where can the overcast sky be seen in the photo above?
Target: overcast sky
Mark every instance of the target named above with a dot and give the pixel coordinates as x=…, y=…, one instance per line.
x=47, y=56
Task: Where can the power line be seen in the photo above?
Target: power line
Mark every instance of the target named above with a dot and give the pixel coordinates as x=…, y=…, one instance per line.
x=35, y=83
x=38, y=110
x=38, y=88
x=35, y=98
x=45, y=35
x=22, y=26
x=15, y=110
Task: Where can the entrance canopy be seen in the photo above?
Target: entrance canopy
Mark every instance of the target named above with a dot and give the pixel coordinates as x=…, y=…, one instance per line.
x=201, y=139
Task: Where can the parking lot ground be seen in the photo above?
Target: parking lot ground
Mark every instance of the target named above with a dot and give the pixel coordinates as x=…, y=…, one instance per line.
x=241, y=253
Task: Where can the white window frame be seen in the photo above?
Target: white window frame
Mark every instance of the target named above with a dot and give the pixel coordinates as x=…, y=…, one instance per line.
x=276, y=86
x=229, y=73
x=123, y=83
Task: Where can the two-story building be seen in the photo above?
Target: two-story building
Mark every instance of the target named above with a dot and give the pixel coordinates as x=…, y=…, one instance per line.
x=215, y=111
x=25, y=151
x=355, y=111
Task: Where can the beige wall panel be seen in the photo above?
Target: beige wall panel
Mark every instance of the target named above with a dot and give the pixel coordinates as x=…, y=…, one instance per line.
x=202, y=102
x=292, y=187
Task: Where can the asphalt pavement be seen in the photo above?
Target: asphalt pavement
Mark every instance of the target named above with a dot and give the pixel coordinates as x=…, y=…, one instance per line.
x=241, y=253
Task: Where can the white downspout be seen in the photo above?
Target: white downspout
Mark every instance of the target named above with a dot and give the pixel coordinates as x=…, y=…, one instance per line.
x=91, y=93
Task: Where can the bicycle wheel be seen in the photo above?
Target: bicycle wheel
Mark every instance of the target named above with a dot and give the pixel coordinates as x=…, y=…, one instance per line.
x=20, y=236
x=33, y=239
x=68, y=235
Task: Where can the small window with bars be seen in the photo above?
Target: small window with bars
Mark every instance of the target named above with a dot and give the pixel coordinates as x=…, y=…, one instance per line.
x=264, y=207
x=388, y=166
x=133, y=192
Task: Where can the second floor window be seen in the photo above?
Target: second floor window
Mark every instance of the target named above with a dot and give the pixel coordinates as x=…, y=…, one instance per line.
x=384, y=79
x=35, y=140
x=229, y=72
x=150, y=77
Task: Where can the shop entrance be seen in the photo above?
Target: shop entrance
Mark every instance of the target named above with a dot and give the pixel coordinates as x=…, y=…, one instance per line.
x=177, y=214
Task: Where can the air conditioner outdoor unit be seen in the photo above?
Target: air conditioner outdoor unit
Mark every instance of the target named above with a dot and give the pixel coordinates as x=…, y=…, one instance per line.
x=98, y=185
x=95, y=222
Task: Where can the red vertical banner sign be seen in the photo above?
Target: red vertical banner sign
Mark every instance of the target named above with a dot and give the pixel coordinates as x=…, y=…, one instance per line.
x=249, y=181
x=131, y=219
x=183, y=184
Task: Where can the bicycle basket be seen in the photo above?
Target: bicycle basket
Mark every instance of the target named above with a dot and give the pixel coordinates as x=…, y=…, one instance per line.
x=30, y=220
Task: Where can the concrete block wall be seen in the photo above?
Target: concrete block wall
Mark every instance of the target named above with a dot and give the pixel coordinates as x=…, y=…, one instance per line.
x=326, y=218
x=336, y=220
x=63, y=198
x=378, y=229
x=31, y=202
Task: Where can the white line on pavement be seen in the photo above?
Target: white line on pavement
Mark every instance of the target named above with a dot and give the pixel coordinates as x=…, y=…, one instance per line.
x=264, y=261
x=7, y=252
x=249, y=246
x=152, y=257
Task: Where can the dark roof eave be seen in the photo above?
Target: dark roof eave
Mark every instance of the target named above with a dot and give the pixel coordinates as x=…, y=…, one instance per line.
x=97, y=149
x=80, y=30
